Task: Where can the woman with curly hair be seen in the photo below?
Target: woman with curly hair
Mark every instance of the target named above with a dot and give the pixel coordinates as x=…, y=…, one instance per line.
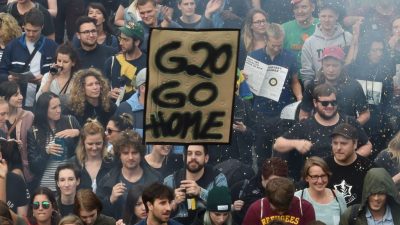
x=89, y=97
x=51, y=140
x=91, y=155
x=9, y=30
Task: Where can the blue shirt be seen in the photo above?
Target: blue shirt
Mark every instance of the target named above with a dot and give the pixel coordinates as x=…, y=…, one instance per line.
x=386, y=220
x=285, y=59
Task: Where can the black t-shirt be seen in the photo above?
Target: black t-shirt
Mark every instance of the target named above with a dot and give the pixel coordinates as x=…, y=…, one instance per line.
x=48, y=27
x=349, y=180
x=65, y=210
x=319, y=135
x=95, y=58
x=17, y=193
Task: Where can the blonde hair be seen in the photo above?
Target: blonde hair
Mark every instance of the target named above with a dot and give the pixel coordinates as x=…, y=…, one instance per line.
x=9, y=28
x=275, y=30
x=77, y=95
x=92, y=127
x=71, y=219
x=248, y=35
x=394, y=147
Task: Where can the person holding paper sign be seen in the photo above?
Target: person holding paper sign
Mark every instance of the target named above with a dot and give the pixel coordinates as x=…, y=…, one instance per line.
x=275, y=86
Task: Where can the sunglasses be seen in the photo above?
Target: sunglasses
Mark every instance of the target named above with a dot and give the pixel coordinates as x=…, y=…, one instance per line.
x=110, y=131
x=326, y=103
x=45, y=205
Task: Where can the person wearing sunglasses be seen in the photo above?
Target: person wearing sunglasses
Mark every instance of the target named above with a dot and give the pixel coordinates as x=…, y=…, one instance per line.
x=311, y=137
x=350, y=95
x=43, y=208
x=91, y=155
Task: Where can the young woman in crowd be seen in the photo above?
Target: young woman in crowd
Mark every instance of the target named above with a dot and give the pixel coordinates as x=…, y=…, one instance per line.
x=253, y=36
x=134, y=208
x=18, y=122
x=51, y=140
x=9, y=152
x=89, y=97
x=70, y=220
x=59, y=79
x=43, y=208
x=328, y=203
x=105, y=35
x=390, y=159
x=88, y=207
x=218, y=211
x=116, y=124
x=91, y=155
x=9, y=30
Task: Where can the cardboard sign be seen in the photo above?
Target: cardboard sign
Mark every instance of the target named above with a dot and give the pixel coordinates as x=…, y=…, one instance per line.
x=190, y=86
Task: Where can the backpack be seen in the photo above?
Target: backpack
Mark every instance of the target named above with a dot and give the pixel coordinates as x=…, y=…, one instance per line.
x=234, y=171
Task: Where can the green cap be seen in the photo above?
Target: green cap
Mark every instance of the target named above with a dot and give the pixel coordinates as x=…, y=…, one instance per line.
x=133, y=30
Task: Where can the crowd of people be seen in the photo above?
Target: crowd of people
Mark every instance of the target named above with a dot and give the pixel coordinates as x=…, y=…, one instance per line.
x=72, y=93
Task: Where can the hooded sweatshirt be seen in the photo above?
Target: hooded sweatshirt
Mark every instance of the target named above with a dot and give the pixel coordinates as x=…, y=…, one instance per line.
x=377, y=180
x=312, y=50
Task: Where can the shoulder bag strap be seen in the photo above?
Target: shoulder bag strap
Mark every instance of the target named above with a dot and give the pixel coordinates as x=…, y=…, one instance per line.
x=28, y=61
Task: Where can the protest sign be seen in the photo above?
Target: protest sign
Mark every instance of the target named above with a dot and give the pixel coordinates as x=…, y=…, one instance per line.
x=191, y=84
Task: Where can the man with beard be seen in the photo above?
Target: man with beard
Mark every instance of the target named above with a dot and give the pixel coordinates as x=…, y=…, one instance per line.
x=91, y=54
x=121, y=70
x=311, y=137
x=193, y=183
x=129, y=172
x=157, y=200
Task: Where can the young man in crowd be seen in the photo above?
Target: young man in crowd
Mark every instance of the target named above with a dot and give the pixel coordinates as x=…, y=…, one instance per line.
x=30, y=52
x=157, y=199
x=280, y=203
x=193, y=182
x=380, y=203
x=348, y=168
x=91, y=54
x=311, y=137
x=122, y=69
x=130, y=172
x=67, y=178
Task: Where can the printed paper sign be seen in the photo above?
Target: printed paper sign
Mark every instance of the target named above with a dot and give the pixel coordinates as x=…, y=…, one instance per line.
x=265, y=80
x=191, y=84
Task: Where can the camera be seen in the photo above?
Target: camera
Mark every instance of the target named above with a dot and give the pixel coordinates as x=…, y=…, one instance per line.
x=54, y=70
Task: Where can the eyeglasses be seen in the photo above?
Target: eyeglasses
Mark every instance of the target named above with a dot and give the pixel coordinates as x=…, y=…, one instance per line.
x=326, y=103
x=316, y=177
x=260, y=22
x=110, y=131
x=45, y=205
x=87, y=32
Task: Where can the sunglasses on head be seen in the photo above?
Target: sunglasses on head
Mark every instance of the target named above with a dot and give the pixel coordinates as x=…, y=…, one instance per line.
x=326, y=103
x=45, y=205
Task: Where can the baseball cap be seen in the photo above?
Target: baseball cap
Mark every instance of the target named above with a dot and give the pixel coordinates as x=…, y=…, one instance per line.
x=334, y=52
x=133, y=30
x=346, y=130
x=141, y=77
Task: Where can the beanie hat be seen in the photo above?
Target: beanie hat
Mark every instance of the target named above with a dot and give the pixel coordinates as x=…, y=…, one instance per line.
x=133, y=30
x=219, y=200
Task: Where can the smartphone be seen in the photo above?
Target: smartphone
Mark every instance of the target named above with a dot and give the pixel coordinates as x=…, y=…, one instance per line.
x=63, y=155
